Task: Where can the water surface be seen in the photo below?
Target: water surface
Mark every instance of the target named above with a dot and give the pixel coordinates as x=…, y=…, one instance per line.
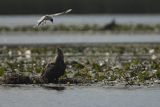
x=100, y=19
x=78, y=97
x=69, y=38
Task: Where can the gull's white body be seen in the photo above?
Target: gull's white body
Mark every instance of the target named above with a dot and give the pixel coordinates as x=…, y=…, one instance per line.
x=45, y=18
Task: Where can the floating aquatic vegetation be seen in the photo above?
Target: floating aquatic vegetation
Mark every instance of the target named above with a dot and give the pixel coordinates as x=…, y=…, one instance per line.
x=158, y=74
x=2, y=70
x=151, y=51
x=111, y=27
x=129, y=64
x=144, y=75
x=77, y=65
x=96, y=67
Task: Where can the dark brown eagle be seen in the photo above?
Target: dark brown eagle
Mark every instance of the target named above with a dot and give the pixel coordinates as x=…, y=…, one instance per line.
x=54, y=70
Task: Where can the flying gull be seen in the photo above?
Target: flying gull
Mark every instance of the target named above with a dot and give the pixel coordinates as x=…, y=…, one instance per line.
x=50, y=17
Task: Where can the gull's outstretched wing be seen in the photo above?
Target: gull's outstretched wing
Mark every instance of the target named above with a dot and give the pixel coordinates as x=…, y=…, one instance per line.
x=41, y=20
x=56, y=14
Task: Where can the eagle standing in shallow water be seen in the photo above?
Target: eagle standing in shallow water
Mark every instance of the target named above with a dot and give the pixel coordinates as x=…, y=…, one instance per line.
x=50, y=17
x=54, y=70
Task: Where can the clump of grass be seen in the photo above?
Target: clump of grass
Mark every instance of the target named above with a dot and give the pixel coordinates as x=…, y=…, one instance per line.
x=123, y=28
x=144, y=27
x=77, y=65
x=112, y=78
x=16, y=78
x=5, y=29
x=2, y=70
x=158, y=74
x=142, y=76
x=99, y=76
x=84, y=75
x=96, y=67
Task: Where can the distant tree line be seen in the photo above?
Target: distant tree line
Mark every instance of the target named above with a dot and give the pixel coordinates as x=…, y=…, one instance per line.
x=79, y=6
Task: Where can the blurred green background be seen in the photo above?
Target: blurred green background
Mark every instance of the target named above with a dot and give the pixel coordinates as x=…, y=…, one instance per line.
x=79, y=6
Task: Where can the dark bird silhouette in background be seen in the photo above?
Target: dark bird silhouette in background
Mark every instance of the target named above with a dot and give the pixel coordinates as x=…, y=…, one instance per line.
x=110, y=26
x=54, y=70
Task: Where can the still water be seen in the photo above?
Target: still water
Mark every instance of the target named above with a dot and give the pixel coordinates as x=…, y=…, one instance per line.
x=100, y=19
x=78, y=97
x=69, y=38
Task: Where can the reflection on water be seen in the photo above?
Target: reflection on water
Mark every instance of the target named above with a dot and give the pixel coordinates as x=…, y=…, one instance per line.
x=58, y=88
x=29, y=96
